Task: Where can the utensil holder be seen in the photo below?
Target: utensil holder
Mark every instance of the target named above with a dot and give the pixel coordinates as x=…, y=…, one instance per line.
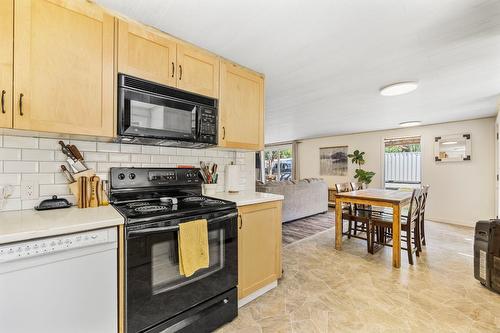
x=209, y=189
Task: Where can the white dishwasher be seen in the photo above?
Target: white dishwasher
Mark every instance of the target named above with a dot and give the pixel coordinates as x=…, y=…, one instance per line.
x=61, y=284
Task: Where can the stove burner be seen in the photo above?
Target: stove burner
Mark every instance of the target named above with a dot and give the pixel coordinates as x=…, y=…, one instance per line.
x=212, y=202
x=151, y=209
x=194, y=199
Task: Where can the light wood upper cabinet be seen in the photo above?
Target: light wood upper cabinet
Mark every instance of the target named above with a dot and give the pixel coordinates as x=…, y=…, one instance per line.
x=198, y=71
x=259, y=246
x=241, y=108
x=63, y=67
x=146, y=53
x=6, y=60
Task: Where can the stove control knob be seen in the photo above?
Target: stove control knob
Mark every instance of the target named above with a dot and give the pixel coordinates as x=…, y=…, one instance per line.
x=121, y=176
x=188, y=175
x=132, y=176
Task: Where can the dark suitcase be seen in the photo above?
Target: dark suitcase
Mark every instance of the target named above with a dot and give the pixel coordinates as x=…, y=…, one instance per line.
x=487, y=254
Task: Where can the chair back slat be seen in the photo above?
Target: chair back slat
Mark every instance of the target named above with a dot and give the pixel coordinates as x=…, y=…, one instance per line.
x=414, y=210
x=356, y=186
x=342, y=187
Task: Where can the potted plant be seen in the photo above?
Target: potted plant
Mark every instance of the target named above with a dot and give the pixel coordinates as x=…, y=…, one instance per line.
x=361, y=175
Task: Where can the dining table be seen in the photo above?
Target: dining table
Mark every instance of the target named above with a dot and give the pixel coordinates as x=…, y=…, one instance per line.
x=395, y=199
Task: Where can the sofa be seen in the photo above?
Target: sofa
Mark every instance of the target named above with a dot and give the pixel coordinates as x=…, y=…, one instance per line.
x=303, y=198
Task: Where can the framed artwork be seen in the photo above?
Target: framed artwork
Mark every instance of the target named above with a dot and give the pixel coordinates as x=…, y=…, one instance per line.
x=333, y=161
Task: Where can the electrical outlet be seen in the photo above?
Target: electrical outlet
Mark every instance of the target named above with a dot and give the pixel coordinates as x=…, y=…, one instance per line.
x=29, y=190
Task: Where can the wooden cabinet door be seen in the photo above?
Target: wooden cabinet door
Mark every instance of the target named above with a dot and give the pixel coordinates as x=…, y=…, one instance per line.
x=259, y=246
x=146, y=54
x=241, y=108
x=63, y=67
x=197, y=71
x=6, y=59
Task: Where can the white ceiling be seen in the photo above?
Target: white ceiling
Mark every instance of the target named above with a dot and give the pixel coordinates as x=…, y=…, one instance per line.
x=325, y=60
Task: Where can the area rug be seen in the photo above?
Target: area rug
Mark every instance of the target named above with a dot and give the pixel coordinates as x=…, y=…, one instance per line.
x=299, y=229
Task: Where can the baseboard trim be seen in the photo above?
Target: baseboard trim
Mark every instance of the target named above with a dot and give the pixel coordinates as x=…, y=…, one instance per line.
x=257, y=294
x=447, y=221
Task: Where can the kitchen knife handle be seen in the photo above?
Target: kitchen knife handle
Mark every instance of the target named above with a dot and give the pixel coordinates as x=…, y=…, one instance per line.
x=21, y=104
x=180, y=72
x=173, y=69
x=3, y=101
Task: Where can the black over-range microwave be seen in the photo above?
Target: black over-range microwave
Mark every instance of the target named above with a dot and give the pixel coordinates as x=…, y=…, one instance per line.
x=154, y=114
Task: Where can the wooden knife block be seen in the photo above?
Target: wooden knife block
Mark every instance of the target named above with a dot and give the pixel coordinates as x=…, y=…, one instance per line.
x=75, y=190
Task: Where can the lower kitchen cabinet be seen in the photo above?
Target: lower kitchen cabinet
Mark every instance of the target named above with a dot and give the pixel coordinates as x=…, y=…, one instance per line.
x=259, y=246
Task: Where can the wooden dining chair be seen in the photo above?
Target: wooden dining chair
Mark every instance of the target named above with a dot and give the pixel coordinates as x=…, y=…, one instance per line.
x=409, y=225
x=425, y=193
x=358, y=220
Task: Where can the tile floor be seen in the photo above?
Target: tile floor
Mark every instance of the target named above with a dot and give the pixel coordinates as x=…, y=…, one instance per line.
x=324, y=290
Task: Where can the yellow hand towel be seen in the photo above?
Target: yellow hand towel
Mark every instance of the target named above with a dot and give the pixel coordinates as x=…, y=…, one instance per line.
x=193, y=246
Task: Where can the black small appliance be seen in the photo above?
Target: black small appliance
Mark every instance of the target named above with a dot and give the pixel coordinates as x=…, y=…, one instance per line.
x=155, y=114
x=154, y=201
x=487, y=254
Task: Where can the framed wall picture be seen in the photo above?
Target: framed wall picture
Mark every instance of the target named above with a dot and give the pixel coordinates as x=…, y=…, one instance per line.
x=333, y=161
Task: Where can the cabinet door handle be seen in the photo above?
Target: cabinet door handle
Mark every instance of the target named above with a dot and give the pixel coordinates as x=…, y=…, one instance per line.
x=223, y=132
x=241, y=220
x=3, y=101
x=21, y=104
x=173, y=69
x=180, y=72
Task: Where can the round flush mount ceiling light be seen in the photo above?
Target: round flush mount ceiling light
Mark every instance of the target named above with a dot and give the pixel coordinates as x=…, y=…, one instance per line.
x=399, y=88
x=410, y=123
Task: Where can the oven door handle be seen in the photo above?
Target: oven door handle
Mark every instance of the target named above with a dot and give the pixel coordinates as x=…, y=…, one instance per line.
x=147, y=231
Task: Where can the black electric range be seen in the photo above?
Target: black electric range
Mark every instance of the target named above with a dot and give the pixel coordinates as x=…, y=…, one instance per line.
x=154, y=201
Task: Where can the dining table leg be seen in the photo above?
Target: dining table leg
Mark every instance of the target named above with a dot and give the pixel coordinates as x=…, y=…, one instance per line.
x=338, y=224
x=396, y=236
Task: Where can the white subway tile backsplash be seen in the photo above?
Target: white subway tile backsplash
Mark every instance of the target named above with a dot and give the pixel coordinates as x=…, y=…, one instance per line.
x=52, y=144
x=150, y=150
x=168, y=150
x=159, y=159
x=138, y=158
x=95, y=157
x=37, y=155
x=19, y=142
x=39, y=160
x=12, y=204
x=116, y=157
x=104, y=167
x=84, y=145
x=10, y=154
x=54, y=189
x=20, y=167
x=40, y=178
x=10, y=179
x=128, y=148
x=51, y=167
x=108, y=147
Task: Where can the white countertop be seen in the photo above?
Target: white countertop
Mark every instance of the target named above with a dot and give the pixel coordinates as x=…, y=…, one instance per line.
x=30, y=224
x=248, y=198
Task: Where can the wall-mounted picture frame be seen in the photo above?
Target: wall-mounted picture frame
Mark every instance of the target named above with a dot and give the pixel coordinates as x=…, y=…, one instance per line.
x=333, y=161
x=453, y=148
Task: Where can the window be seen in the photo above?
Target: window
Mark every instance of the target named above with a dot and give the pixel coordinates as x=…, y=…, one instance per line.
x=278, y=162
x=402, y=163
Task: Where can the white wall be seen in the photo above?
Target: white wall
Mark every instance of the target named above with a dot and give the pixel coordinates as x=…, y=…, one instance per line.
x=460, y=192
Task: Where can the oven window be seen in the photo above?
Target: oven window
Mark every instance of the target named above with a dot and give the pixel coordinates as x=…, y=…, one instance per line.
x=160, y=117
x=165, y=262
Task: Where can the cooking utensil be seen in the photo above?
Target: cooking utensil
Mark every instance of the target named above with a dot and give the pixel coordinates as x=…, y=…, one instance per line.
x=94, y=183
x=79, y=163
x=67, y=174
